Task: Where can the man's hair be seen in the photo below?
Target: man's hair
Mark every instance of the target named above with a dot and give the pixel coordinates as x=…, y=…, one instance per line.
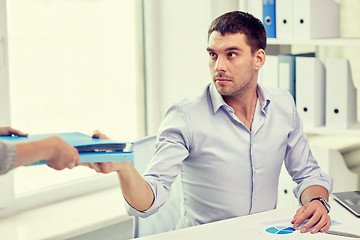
x=241, y=22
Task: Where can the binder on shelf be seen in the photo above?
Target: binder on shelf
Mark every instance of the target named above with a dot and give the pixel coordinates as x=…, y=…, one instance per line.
x=255, y=8
x=310, y=91
x=287, y=71
x=316, y=19
x=269, y=17
x=284, y=19
x=90, y=149
x=341, y=110
x=268, y=74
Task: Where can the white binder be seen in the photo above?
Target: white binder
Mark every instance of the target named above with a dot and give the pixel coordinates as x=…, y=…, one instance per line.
x=284, y=19
x=268, y=74
x=316, y=19
x=310, y=91
x=341, y=110
x=255, y=8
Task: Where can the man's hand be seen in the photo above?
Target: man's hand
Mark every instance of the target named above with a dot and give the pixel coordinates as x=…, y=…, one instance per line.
x=8, y=131
x=98, y=134
x=105, y=167
x=317, y=214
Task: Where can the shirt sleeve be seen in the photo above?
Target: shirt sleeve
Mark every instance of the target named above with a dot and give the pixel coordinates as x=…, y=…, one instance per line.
x=300, y=162
x=7, y=157
x=172, y=147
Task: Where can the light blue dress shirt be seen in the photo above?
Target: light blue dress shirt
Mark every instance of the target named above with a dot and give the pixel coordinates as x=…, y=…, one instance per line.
x=227, y=170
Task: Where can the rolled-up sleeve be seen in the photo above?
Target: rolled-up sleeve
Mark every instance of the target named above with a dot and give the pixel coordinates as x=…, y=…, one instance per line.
x=7, y=157
x=172, y=147
x=300, y=162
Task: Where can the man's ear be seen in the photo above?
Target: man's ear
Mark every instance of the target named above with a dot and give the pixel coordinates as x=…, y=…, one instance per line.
x=259, y=58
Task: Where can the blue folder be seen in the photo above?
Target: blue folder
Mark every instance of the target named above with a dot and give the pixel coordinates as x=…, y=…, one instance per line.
x=269, y=17
x=90, y=149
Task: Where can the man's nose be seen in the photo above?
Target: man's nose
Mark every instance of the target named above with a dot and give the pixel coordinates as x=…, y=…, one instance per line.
x=220, y=65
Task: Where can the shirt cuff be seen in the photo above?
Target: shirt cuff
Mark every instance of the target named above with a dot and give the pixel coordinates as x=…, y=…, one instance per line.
x=325, y=181
x=7, y=157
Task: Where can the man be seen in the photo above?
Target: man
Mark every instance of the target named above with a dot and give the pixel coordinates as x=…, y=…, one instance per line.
x=229, y=143
x=53, y=149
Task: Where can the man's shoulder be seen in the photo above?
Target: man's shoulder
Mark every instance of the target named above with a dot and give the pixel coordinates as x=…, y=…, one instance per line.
x=276, y=92
x=279, y=95
x=194, y=101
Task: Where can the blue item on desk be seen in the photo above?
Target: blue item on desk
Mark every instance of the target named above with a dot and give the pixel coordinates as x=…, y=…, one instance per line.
x=90, y=149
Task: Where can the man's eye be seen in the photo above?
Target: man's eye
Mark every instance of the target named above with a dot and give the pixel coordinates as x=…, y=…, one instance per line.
x=231, y=54
x=212, y=55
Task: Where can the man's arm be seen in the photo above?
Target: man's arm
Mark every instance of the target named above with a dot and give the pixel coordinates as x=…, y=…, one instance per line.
x=315, y=211
x=135, y=189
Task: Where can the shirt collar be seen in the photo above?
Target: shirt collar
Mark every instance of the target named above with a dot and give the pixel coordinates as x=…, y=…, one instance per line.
x=264, y=100
x=216, y=98
x=218, y=101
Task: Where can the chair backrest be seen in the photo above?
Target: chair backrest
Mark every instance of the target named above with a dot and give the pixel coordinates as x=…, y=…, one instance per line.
x=167, y=217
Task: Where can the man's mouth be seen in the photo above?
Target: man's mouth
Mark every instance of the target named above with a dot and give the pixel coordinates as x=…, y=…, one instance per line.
x=222, y=80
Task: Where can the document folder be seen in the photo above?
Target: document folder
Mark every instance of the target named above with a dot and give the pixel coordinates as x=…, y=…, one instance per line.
x=255, y=7
x=286, y=69
x=269, y=18
x=316, y=19
x=310, y=91
x=284, y=19
x=268, y=75
x=90, y=149
x=341, y=107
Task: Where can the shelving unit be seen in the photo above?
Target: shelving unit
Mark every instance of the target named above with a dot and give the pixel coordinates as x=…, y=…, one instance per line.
x=336, y=150
x=331, y=147
x=285, y=45
x=316, y=42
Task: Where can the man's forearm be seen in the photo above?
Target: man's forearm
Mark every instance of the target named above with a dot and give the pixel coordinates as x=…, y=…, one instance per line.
x=135, y=189
x=313, y=192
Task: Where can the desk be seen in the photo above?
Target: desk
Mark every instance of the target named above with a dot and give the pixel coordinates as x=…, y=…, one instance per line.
x=237, y=228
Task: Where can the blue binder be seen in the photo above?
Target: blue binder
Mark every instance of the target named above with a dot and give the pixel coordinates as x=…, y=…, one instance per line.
x=269, y=17
x=287, y=62
x=90, y=149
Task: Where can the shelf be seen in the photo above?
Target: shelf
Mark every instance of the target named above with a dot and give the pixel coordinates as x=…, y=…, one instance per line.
x=318, y=42
x=353, y=131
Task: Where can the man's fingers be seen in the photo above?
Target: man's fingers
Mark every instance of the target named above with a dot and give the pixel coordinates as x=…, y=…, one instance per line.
x=312, y=221
x=320, y=224
x=98, y=134
x=327, y=225
x=300, y=216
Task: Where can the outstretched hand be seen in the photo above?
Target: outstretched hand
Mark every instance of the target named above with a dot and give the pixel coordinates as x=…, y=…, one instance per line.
x=104, y=167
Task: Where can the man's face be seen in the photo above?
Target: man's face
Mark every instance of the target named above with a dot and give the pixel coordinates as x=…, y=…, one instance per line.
x=232, y=66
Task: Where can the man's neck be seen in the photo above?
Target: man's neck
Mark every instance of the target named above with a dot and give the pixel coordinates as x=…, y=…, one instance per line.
x=244, y=106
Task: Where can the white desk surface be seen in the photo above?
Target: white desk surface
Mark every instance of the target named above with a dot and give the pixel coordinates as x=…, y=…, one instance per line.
x=66, y=219
x=238, y=228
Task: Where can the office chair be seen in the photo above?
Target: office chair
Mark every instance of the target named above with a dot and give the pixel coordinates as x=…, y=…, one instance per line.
x=167, y=217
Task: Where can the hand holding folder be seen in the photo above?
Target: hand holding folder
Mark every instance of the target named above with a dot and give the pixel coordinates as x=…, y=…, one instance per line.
x=90, y=149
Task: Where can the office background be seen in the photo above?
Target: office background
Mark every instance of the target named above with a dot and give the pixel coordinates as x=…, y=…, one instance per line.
x=85, y=65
